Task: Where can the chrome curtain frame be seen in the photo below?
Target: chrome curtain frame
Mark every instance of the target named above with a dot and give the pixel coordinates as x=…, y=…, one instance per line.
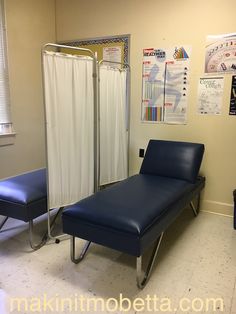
x=125, y=66
x=96, y=125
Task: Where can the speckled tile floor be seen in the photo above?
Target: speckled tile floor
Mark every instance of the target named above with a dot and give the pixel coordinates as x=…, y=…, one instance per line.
x=195, y=272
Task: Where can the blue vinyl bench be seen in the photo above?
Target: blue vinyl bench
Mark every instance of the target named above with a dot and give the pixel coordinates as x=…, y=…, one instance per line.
x=24, y=197
x=133, y=214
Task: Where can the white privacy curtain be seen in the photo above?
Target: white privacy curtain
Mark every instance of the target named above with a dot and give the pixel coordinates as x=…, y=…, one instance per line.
x=69, y=117
x=113, y=125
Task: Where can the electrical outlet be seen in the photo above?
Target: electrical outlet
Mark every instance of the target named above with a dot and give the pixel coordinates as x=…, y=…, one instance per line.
x=141, y=152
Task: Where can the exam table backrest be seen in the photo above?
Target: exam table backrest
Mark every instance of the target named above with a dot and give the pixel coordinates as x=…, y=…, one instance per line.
x=180, y=160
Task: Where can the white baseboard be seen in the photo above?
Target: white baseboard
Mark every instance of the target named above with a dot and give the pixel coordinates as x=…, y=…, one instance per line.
x=217, y=207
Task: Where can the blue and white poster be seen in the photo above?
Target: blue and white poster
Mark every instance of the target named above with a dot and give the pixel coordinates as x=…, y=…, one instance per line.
x=165, y=84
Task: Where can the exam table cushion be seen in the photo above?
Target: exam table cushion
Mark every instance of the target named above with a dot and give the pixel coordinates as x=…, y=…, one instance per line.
x=129, y=215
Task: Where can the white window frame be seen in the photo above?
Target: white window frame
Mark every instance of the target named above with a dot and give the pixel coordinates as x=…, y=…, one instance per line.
x=6, y=128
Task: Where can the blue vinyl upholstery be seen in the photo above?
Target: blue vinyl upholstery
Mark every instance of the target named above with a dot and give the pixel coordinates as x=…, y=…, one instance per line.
x=130, y=215
x=179, y=160
x=24, y=197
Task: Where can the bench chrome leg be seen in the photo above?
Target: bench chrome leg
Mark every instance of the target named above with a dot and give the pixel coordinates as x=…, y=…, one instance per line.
x=45, y=236
x=143, y=279
x=3, y=222
x=195, y=209
x=31, y=227
x=72, y=250
x=31, y=232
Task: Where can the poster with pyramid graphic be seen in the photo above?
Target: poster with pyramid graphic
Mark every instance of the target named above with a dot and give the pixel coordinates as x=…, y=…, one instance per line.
x=165, y=84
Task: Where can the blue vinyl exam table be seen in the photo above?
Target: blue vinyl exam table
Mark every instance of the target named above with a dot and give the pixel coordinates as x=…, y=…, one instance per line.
x=133, y=214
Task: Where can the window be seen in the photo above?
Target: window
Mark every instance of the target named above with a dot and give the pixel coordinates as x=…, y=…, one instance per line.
x=5, y=118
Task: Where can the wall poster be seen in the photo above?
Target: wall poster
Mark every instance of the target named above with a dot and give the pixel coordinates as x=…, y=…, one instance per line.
x=232, y=109
x=220, y=54
x=112, y=54
x=165, y=85
x=210, y=93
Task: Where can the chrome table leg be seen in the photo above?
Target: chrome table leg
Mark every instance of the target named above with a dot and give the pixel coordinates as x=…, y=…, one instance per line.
x=143, y=279
x=72, y=250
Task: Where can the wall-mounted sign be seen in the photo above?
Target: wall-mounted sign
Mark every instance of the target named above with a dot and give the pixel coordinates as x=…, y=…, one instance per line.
x=112, y=54
x=210, y=93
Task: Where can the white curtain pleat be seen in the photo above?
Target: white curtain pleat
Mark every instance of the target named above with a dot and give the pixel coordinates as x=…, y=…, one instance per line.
x=69, y=117
x=113, y=129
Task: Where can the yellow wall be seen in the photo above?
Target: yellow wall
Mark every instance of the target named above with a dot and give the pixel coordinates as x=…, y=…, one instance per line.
x=158, y=23
x=151, y=23
x=30, y=24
